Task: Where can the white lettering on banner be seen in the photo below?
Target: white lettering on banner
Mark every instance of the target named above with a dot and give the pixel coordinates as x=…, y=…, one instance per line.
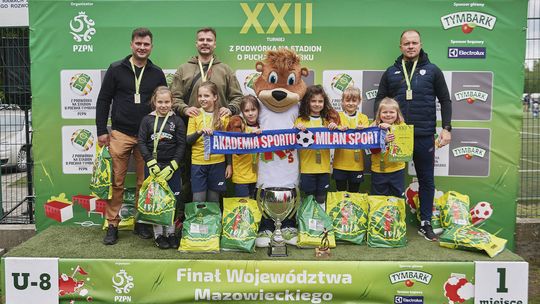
x=458, y=19
x=187, y=275
x=286, y=295
x=303, y=277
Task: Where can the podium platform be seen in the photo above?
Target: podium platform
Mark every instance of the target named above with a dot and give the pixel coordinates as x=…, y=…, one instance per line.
x=70, y=265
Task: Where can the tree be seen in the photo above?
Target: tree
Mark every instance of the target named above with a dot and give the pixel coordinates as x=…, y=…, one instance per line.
x=532, y=78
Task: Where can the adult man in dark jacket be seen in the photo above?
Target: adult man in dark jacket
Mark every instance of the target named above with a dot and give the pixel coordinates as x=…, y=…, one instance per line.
x=128, y=85
x=415, y=83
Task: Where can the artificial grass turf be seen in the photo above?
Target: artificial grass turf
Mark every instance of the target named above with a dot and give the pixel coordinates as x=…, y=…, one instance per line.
x=85, y=243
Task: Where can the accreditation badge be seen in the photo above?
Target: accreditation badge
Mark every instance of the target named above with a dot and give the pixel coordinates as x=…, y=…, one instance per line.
x=137, y=98
x=408, y=95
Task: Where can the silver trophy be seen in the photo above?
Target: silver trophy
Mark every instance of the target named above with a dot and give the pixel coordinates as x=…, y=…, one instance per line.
x=278, y=204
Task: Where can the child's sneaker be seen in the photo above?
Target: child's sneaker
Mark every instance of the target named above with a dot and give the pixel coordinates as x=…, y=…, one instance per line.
x=263, y=239
x=162, y=242
x=426, y=231
x=173, y=241
x=290, y=234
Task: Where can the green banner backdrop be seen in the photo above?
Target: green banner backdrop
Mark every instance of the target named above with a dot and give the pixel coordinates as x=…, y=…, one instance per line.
x=478, y=45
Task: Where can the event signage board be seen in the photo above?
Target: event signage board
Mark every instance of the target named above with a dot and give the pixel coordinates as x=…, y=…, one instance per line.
x=13, y=13
x=505, y=282
x=29, y=279
x=53, y=280
x=237, y=281
x=341, y=43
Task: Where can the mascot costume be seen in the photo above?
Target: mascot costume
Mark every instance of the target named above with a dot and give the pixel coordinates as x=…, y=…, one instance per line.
x=279, y=88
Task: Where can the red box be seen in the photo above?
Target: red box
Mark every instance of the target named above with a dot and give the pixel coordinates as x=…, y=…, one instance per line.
x=59, y=211
x=83, y=200
x=100, y=205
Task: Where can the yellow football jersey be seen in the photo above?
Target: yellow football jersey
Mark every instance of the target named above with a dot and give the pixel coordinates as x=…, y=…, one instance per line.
x=344, y=159
x=203, y=120
x=308, y=157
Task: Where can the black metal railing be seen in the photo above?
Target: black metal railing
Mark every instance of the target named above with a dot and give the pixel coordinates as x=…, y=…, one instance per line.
x=17, y=189
x=529, y=196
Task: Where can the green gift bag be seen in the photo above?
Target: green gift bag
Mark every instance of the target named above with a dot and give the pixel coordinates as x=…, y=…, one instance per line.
x=349, y=213
x=312, y=220
x=102, y=174
x=471, y=238
x=455, y=211
x=202, y=228
x=127, y=211
x=241, y=217
x=386, y=225
x=156, y=203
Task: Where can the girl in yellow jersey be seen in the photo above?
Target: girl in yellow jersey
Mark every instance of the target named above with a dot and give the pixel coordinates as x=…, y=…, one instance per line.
x=387, y=178
x=349, y=164
x=315, y=111
x=208, y=171
x=244, y=166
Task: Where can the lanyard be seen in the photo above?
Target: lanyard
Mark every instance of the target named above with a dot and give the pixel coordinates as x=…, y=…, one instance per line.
x=318, y=158
x=203, y=76
x=356, y=151
x=255, y=156
x=158, y=135
x=204, y=114
x=137, y=80
x=407, y=78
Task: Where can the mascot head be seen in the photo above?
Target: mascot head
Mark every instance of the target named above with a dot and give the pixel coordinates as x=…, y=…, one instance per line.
x=280, y=85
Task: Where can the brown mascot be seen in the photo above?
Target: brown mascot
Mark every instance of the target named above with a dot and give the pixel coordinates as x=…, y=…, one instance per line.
x=280, y=88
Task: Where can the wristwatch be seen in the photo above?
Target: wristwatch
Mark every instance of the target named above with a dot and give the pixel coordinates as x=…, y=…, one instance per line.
x=448, y=128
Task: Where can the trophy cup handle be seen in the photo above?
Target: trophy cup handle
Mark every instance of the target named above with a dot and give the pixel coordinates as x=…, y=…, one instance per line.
x=296, y=201
x=259, y=201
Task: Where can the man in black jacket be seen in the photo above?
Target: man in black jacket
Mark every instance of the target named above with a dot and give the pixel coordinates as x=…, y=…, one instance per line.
x=128, y=85
x=415, y=83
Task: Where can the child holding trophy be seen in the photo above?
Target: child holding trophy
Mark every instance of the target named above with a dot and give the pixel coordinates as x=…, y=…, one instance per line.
x=387, y=178
x=316, y=111
x=349, y=164
x=244, y=166
x=162, y=144
x=208, y=171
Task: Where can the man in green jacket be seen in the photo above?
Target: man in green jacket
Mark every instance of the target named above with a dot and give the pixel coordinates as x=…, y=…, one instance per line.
x=201, y=68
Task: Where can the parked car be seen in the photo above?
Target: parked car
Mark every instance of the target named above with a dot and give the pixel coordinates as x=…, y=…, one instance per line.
x=13, y=143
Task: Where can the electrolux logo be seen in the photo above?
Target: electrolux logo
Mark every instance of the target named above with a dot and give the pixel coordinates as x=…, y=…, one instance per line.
x=408, y=300
x=467, y=52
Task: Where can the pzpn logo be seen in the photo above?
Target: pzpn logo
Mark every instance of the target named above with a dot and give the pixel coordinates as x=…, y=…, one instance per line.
x=82, y=29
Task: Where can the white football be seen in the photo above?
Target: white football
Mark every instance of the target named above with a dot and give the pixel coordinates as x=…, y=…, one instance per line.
x=305, y=138
x=481, y=212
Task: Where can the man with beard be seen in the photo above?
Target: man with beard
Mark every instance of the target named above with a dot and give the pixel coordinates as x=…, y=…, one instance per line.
x=203, y=67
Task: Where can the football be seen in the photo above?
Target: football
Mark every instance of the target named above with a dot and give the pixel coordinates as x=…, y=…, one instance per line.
x=305, y=138
x=481, y=212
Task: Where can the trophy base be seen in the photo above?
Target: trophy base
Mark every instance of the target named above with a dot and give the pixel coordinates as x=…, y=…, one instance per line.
x=322, y=253
x=277, y=251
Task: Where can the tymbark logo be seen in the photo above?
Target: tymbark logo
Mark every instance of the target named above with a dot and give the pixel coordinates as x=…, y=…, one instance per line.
x=279, y=18
x=478, y=19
